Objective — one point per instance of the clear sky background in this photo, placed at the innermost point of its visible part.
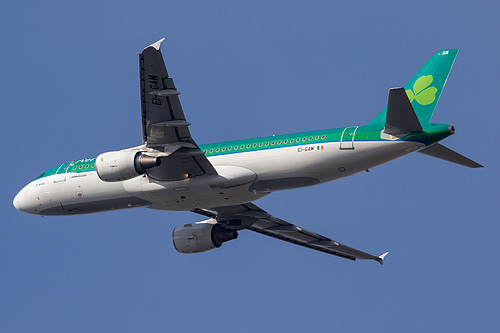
(69, 89)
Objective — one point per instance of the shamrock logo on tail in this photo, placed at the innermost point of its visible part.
(422, 93)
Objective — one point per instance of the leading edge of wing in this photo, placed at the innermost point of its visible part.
(249, 216)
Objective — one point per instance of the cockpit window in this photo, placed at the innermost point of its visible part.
(43, 174)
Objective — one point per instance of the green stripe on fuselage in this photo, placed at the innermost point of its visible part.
(83, 165)
(431, 133)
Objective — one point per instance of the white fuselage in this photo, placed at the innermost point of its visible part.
(242, 177)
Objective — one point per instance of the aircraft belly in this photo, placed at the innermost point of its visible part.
(197, 192)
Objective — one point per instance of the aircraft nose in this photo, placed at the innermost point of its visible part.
(24, 202)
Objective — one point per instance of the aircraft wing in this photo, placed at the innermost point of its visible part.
(249, 216)
(164, 126)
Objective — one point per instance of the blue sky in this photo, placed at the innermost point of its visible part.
(69, 90)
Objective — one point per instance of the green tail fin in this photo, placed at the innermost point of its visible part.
(425, 88)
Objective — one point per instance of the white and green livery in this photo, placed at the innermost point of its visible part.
(170, 171)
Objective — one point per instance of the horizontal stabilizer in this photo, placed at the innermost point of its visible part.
(439, 151)
(400, 118)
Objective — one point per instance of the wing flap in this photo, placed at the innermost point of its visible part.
(164, 125)
(156, 106)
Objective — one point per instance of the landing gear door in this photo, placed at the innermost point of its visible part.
(347, 138)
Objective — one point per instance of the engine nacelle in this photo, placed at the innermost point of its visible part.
(201, 236)
(118, 166)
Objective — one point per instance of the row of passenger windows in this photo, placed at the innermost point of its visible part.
(262, 144)
(86, 166)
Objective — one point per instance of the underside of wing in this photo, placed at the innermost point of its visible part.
(164, 126)
(249, 216)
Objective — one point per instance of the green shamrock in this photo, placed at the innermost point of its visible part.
(422, 93)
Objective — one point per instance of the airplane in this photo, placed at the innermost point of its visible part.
(220, 181)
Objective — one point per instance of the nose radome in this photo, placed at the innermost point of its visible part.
(24, 203)
(17, 201)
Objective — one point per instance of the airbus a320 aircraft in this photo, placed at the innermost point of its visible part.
(169, 171)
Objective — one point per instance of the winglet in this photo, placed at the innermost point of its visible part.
(156, 45)
(381, 257)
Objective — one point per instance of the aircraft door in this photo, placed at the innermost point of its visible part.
(347, 138)
(61, 173)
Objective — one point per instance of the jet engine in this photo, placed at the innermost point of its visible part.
(201, 236)
(117, 166)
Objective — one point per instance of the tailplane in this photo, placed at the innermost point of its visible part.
(439, 151)
(410, 109)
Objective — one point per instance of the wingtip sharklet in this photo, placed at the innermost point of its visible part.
(156, 45)
(381, 257)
